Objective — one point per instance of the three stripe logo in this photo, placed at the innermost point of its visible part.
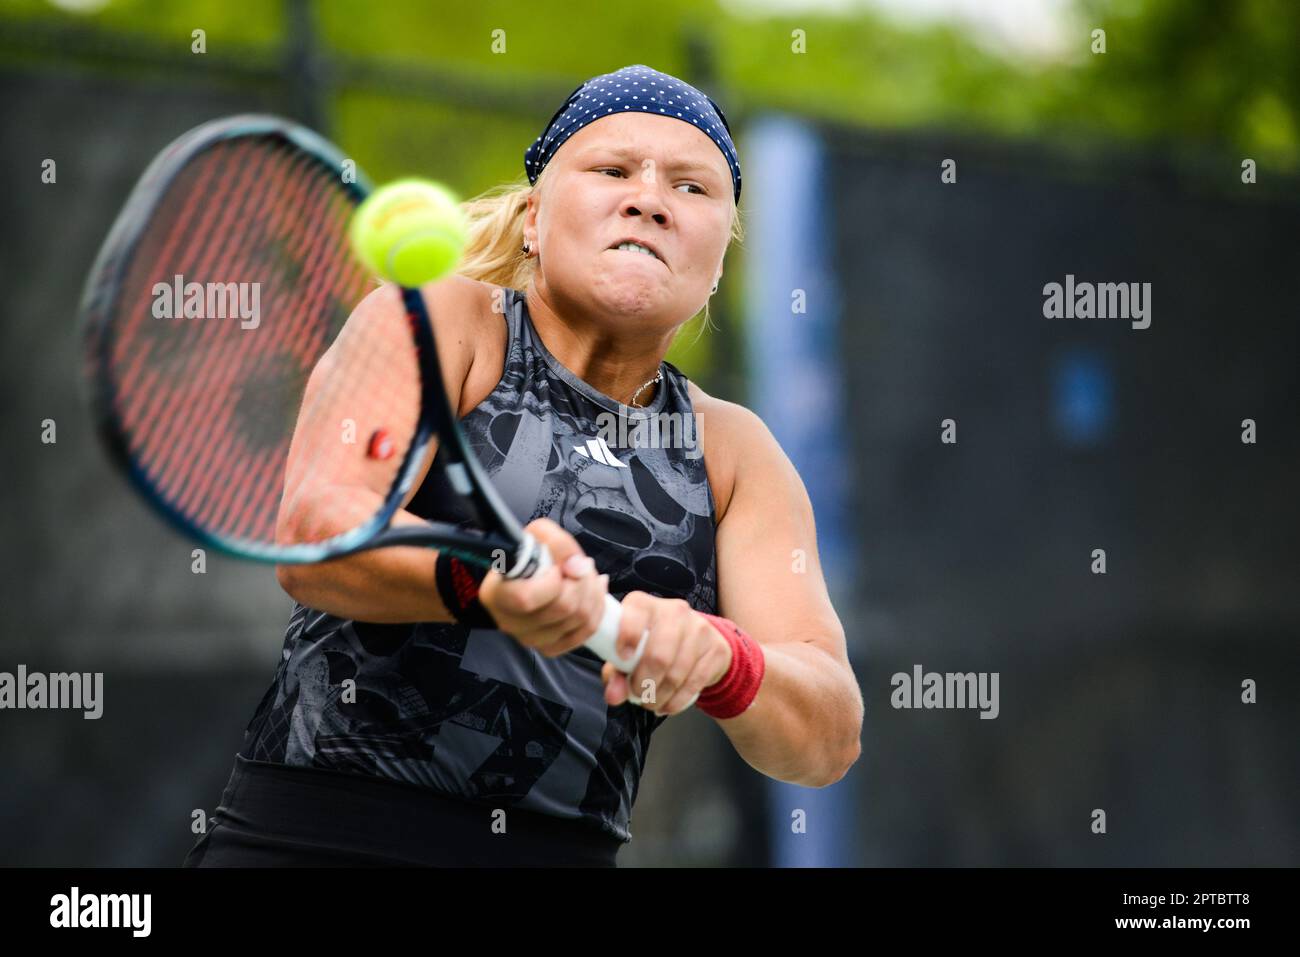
(597, 450)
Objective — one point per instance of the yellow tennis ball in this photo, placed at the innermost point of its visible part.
(411, 231)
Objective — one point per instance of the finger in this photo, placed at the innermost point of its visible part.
(529, 596)
(692, 683)
(570, 606)
(675, 691)
(586, 621)
(616, 691)
(559, 637)
(651, 679)
(579, 566)
(557, 540)
(634, 622)
(519, 598)
(574, 608)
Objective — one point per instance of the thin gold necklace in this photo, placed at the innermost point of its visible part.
(659, 377)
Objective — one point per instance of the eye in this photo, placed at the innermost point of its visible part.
(618, 171)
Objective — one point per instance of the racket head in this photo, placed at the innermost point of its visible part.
(198, 411)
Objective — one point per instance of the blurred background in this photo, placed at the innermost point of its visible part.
(870, 301)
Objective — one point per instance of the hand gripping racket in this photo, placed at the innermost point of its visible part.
(220, 381)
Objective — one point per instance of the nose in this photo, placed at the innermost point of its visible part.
(645, 201)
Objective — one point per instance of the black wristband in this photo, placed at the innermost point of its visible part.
(458, 587)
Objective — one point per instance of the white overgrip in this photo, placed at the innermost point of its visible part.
(604, 642)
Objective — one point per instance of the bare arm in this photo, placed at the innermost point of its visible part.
(805, 723)
(369, 378)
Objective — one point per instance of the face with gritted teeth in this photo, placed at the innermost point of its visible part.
(625, 178)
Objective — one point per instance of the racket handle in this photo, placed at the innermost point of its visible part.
(604, 642)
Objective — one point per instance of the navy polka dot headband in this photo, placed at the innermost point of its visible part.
(633, 89)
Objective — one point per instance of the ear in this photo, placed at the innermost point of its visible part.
(530, 221)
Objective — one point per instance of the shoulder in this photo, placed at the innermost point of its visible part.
(455, 305)
(461, 312)
(474, 317)
(735, 441)
(461, 304)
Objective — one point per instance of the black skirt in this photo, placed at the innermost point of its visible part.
(276, 815)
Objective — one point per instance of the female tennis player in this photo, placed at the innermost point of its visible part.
(424, 713)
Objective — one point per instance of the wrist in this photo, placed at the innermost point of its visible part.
(458, 587)
(735, 691)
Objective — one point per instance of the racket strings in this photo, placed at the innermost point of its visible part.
(204, 433)
(209, 399)
(247, 504)
(188, 420)
(357, 424)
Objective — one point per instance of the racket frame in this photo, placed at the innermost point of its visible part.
(526, 556)
(466, 475)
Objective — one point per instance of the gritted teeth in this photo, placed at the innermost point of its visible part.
(636, 247)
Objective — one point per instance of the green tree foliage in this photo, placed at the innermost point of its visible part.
(1222, 75)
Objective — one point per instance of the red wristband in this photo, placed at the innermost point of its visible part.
(735, 691)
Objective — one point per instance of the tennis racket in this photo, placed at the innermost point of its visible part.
(212, 319)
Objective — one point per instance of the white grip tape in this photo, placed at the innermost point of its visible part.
(604, 643)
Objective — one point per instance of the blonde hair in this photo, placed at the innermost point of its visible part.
(494, 252)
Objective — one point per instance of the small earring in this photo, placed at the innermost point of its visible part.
(714, 289)
(526, 247)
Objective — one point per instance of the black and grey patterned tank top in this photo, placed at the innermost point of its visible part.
(471, 713)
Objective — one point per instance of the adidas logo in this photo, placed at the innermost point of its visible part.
(598, 450)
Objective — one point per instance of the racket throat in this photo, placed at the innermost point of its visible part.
(530, 558)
